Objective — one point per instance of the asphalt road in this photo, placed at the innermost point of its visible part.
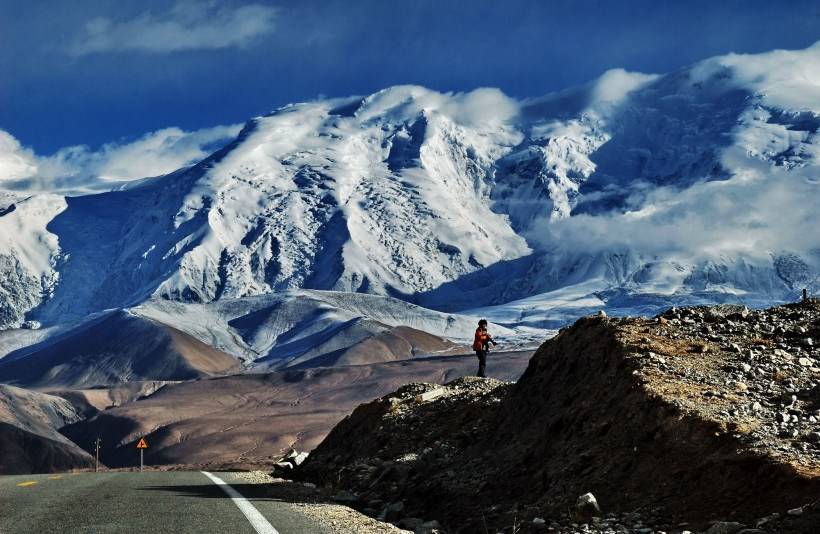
(143, 503)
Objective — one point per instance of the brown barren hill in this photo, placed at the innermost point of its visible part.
(113, 349)
(251, 420)
(29, 441)
(697, 415)
(392, 344)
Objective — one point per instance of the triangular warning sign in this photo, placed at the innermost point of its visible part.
(142, 444)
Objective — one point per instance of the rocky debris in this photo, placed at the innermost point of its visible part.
(708, 413)
(404, 420)
(764, 378)
(289, 461)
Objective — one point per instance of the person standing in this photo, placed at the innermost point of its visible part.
(481, 346)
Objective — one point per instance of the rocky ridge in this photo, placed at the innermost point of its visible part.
(699, 419)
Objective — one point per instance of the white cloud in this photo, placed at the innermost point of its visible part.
(80, 169)
(752, 215)
(788, 78)
(481, 106)
(187, 26)
(15, 161)
(615, 85)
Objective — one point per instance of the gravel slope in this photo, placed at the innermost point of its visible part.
(694, 416)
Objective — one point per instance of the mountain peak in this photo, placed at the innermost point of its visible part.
(461, 200)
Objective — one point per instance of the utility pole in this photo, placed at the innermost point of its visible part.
(96, 453)
(805, 295)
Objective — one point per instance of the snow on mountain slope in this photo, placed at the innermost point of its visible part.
(27, 253)
(700, 184)
(390, 200)
(697, 186)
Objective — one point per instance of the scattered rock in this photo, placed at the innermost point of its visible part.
(586, 507)
(345, 496)
(410, 523)
(393, 511)
(725, 527)
(429, 527)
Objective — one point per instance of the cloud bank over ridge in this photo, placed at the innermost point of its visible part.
(79, 169)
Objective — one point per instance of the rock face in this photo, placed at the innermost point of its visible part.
(704, 413)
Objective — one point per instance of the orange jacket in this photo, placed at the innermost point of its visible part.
(482, 338)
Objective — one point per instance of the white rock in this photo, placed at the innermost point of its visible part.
(430, 395)
(587, 506)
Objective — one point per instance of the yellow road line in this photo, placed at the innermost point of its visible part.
(55, 477)
(29, 483)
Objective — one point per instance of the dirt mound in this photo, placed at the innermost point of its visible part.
(113, 349)
(701, 414)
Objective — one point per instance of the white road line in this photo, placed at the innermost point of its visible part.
(257, 520)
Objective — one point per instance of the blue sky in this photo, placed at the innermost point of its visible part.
(97, 71)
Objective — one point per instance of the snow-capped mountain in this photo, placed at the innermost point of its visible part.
(632, 192)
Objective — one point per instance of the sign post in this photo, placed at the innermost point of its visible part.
(96, 453)
(142, 445)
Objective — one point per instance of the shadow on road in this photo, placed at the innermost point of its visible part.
(276, 491)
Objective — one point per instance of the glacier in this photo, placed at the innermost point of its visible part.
(631, 193)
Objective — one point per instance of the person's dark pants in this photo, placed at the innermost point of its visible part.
(482, 362)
